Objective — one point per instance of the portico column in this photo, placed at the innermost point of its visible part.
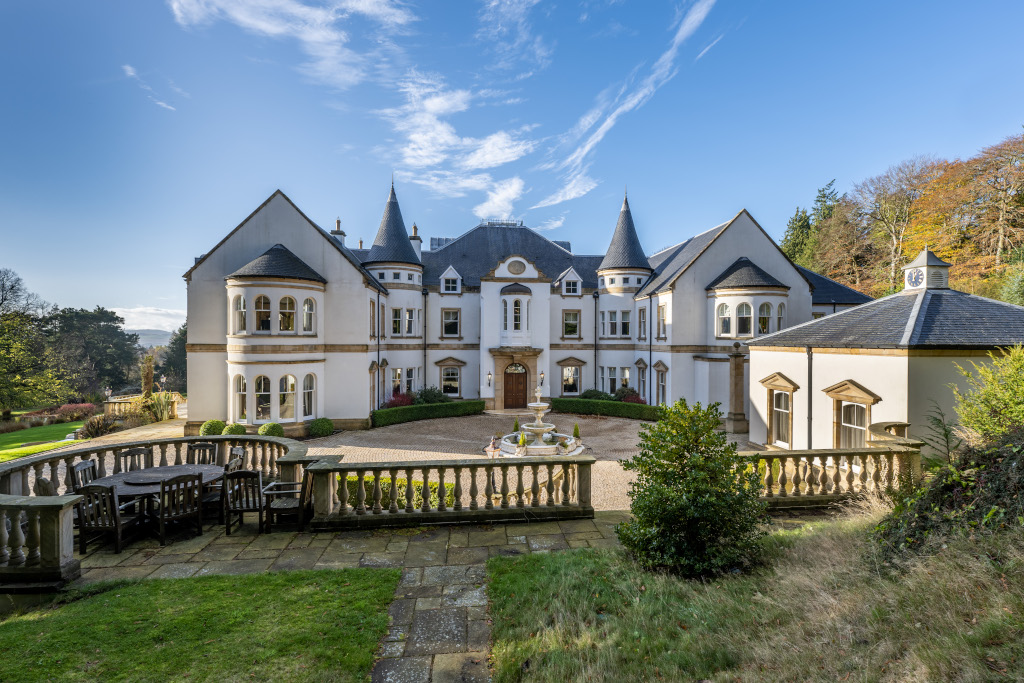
(736, 421)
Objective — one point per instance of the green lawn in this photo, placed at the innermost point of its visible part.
(44, 433)
(823, 611)
(282, 626)
(13, 453)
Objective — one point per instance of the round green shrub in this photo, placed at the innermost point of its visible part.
(695, 505)
(320, 428)
(271, 429)
(234, 429)
(597, 395)
(212, 428)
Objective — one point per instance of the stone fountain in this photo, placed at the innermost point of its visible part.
(540, 436)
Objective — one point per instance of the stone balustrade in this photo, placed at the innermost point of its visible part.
(360, 494)
(805, 478)
(36, 542)
(122, 405)
(36, 536)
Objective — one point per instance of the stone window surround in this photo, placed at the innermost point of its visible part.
(274, 376)
(274, 294)
(458, 335)
(450, 362)
(574, 362)
(778, 382)
(579, 323)
(849, 391)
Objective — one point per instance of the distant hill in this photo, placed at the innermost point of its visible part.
(149, 338)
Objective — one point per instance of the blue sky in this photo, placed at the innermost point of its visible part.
(136, 134)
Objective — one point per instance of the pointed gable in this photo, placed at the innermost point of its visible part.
(392, 243)
(278, 262)
(625, 250)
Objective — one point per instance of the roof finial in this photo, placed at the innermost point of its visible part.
(392, 180)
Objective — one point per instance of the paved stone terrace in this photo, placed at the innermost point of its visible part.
(440, 630)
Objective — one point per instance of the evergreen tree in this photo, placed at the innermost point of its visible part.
(824, 204)
(797, 241)
(174, 364)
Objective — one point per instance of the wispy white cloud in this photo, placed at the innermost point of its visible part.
(705, 50)
(495, 150)
(500, 199)
(131, 73)
(317, 29)
(576, 181)
(506, 29)
(552, 223)
(577, 184)
(151, 318)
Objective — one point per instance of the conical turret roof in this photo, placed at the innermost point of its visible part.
(625, 250)
(392, 243)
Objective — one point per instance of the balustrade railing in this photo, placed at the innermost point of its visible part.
(37, 494)
(354, 494)
(819, 476)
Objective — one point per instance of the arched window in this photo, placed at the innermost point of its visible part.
(309, 315)
(239, 315)
(517, 315)
(240, 412)
(262, 398)
(286, 315)
(782, 317)
(286, 398)
(724, 320)
(262, 313)
(504, 309)
(744, 328)
(764, 318)
(308, 396)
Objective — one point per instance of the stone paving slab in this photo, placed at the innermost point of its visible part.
(440, 628)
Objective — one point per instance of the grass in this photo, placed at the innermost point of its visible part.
(14, 453)
(823, 611)
(45, 433)
(294, 626)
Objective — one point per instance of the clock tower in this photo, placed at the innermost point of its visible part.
(927, 271)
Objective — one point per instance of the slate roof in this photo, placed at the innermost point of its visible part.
(278, 261)
(927, 318)
(668, 263)
(392, 243)
(625, 250)
(828, 291)
(476, 252)
(744, 273)
(926, 258)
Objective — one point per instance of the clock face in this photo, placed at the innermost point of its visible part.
(915, 277)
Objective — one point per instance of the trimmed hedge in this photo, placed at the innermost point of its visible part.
(385, 492)
(320, 428)
(234, 429)
(212, 428)
(270, 429)
(393, 416)
(582, 406)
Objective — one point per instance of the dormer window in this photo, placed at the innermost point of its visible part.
(572, 287)
(451, 285)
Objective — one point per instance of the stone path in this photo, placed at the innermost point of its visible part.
(440, 629)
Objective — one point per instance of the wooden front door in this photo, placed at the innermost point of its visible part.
(515, 386)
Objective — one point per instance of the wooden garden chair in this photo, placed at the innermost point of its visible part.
(203, 453)
(181, 500)
(100, 512)
(243, 492)
(281, 500)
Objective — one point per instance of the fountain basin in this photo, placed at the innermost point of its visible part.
(537, 444)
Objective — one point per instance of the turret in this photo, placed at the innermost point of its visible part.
(625, 252)
(392, 243)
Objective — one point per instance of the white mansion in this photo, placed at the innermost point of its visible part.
(287, 323)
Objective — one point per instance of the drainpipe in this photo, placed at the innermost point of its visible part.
(596, 296)
(650, 348)
(424, 337)
(810, 397)
(377, 333)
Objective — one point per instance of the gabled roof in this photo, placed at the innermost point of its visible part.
(278, 262)
(670, 263)
(347, 253)
(516, 288)
(744, 273)
(625, 250)
(828, 291)
(933, 318)
(392, 244)
(474, 254)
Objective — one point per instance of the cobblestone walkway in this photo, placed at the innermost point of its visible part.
(440, 629)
